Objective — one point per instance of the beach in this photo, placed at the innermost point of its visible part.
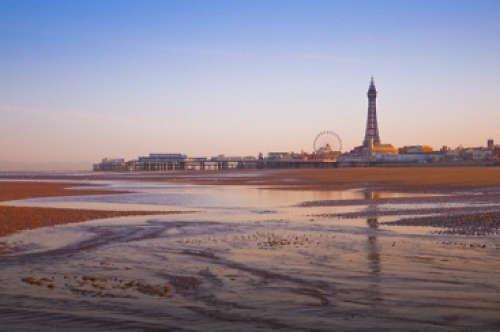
(400, 178)
(294, 250)
(13, 218)
(414, 179)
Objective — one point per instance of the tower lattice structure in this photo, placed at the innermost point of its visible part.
(371, 133)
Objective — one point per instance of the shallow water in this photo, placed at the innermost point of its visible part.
(248, 259)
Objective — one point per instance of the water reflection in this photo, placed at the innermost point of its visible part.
(373, 253)
(150, 196)
(373, 249)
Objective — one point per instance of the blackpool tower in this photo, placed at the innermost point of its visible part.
(371, 133)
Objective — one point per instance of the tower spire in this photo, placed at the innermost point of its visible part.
(371, 133)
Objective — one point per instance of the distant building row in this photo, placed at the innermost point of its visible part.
(161, 162)
(158, 162)
(422, 154)
(376, 155)
(370, 152)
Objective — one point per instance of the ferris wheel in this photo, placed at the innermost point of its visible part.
(327, 140)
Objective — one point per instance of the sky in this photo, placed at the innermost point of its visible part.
(83, 80)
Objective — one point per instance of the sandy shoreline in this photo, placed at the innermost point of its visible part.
(409, 179)
(13, 219)
(397, 178)
(390, 178)
(21, 190)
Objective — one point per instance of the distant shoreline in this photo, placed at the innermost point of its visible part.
(390, 178)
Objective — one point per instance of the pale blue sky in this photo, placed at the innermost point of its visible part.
(81, 80)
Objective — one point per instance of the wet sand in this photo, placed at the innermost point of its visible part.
(479, 223)
(20, 190)
(469, 213)
(388, 178)
(261, 260)
(13, 219)
(376, 178)
(191, 273)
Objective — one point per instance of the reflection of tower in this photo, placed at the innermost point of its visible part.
(371, 133)
(373, 248)
(373, 251)
(260, 162)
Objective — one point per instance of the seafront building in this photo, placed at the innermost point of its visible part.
(407, 155)
(372, 152)
(111, 165)
(162, 162)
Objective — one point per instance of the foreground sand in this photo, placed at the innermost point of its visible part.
(13, 219)
(287, 264)
(290, 261)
